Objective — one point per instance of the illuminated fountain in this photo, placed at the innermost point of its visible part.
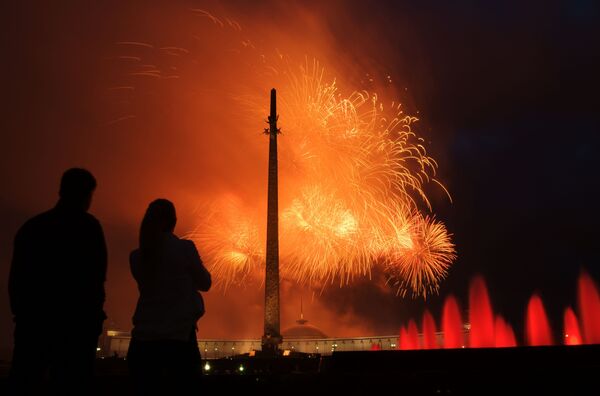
(483, 356)
(487, 330)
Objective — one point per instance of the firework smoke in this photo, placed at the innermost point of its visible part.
(352, 170)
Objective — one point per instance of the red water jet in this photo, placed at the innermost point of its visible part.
(429, 330)
(505, 337)
(403, 339)
(452, 324)
(572, 334)
(589, 309)
(537, 329)
(413, 335)
(481, 316)
(375, 347)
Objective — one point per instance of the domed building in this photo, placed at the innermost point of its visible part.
(302, 331)
(304, 337)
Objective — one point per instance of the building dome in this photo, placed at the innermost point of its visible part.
(303, 331)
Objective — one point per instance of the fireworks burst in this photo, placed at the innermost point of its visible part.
(353, 172)
(419, 260)
(356, 174)
(231, 243)
(320, 239)
(359, 171)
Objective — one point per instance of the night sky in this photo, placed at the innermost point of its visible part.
(506, 93)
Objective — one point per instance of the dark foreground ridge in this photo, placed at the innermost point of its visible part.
(482, 371)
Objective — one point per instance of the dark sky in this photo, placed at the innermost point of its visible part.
(506, 93)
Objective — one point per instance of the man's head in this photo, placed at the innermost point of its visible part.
(76, 188)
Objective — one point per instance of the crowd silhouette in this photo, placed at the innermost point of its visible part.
(57, 275)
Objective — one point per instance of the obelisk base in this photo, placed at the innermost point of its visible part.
(270, 345)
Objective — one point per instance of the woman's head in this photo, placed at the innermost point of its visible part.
(159, 219)
(160, 216)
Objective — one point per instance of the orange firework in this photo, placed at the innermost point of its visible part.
(418, 263)
(353, 140)
(370, 168)
(355, 173)
(352, 178)
(231, 243)
(321, 239)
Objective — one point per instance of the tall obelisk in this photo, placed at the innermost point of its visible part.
(272, 338)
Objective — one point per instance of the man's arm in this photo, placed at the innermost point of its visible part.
(14, 278)
(100, 259)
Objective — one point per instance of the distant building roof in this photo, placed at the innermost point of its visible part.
(303, 331)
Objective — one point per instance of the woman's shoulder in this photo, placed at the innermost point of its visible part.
(188, 247)
(184, 242)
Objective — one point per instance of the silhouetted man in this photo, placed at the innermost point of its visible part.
(56, 290)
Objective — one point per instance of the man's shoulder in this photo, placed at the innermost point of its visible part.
(91, 219)
(51, 219)
(89, 222)
(36, 222)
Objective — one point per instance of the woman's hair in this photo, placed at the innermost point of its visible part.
(160, 218)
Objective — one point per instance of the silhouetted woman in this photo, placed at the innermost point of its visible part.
(163, 354)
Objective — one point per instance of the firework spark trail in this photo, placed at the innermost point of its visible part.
(419, 265)
(372, 154)
(321, 239)
(356, 173)
(369, 168)
(231, 243)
